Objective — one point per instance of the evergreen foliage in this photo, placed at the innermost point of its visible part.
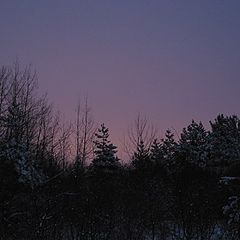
(105, 151)
(225, 141)
(172, 189)
(193, 144)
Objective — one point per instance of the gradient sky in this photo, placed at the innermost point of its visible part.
(171, 60)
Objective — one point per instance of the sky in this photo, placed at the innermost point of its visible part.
(170, 60)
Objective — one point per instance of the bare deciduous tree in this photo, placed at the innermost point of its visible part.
(85, 129)
(141, 131)
(64, 145)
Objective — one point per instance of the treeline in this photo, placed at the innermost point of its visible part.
(51, 189)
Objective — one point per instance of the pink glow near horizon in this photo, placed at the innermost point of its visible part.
(171, 61)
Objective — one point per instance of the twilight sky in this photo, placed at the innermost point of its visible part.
(170, 60)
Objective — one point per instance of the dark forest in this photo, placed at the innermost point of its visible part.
(60, 181)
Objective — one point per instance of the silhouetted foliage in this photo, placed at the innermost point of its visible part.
(172, 189)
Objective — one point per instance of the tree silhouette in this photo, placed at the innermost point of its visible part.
(105, 151)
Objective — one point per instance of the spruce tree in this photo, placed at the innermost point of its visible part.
(141, 158)
(193, 144)
(225, 141)
(156, 153)
(168, 148)
(105, 151)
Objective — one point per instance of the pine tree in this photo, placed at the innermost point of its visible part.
(168, 148)
(156, 153)
(141, 158)
(193, 144)
(105, 151)
(103, 182)
(225, 140)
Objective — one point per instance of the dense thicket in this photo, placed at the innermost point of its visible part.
(172, 189)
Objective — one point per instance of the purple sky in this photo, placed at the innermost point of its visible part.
(168, 59)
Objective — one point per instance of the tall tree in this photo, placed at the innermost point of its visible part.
(141, 157)
(193, 144)
(104, 184)
(85, 130)
(105, 151)
(225, 141)
(168, 149)
(141, 131)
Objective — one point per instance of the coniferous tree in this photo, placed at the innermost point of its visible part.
(104, 185)
(141, 158)
(156, 153)
(193, 144)
(157, 157)
(225, 141)
(168, 149)
(105, 151)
